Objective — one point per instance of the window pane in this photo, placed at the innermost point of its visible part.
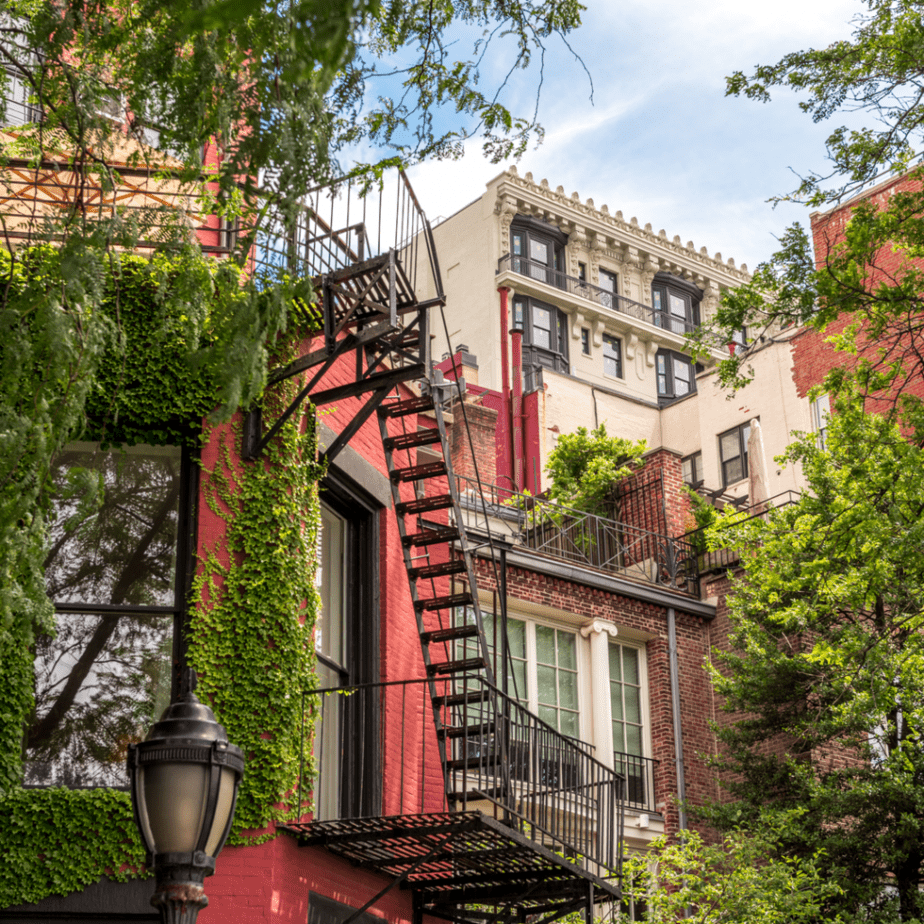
(678, 306)
(608, 281)
(569, 724)
(634, 740)
(630, 665)
(542, 327)
(567, 657)
(729, 446)
(90, 708)
(633, 707)
(615, 663)
(567, 690)
(656, 301)
(545, 645)
(546, 686)
(616, 701)
(328, 632)
(124, 550)
(549, 714)
(516, 634)
(518, 244)
(539, 252)
(734, 471)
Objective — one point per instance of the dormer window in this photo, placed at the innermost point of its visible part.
(675, 303)
(537, 250)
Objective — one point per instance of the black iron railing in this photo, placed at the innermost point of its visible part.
(639, 775)
(583, 538)
(605, 299)
(728, 555)
(491, 755)
(349, 221)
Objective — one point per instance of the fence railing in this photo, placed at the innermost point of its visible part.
(584, 538)
(349, 221)
(377, 752)
(726, 556)
(639, 774)
(605, 299)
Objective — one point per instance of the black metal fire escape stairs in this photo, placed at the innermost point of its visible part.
(464, 866)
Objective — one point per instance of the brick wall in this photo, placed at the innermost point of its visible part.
(650, 620)
(482, 426)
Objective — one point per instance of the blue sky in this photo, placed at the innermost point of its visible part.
(660, 140)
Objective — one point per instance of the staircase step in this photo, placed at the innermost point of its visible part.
(445, 603)
(486, 763)
(475, 795)
(424, 504)
(471, 731)
(455, 667)
(417, 472)
(462, 699)
(456, 566)
(408, 440)
(412, 406)
(431, 537)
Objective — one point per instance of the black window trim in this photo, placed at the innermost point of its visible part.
(742, 452)
(612, 339)
(670, 394)
(691, 293)
(558, 360)
(696, 465)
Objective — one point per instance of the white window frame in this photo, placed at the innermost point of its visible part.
(821, 413)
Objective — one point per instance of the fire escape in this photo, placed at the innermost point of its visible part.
(527, 822)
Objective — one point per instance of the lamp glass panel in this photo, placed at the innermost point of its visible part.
(174, 799)
(223, 806)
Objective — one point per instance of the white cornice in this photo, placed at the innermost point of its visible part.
(606, 230)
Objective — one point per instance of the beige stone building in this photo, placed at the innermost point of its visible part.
(603, 304)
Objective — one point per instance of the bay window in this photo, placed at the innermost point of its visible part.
(545, 333)
(676, 376)
(675, 303)
(537, 250)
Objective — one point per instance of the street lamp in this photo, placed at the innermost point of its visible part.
(184, 778)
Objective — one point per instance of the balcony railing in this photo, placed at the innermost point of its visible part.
(492, 755)
(728, 555)
(583, 538)
(608, 300)
(639, 774)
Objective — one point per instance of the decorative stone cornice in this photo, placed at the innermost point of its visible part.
(530, 197)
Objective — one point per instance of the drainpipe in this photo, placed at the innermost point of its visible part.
(505, 421)
(675, 708)
(519, 475)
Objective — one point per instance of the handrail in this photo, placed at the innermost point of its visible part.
(608, 300)
(497, 757)
(576, 536)
(639, 773)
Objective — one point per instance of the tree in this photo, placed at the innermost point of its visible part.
(585, 468)
(876, 73)
(233, 108)
(823, 679)
(737, 881)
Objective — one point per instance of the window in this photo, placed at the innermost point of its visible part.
(537, 250)
(349, 781)
(116, 571)
(18, 60)
(626, 665)
(609, 295)
(582, 272)
(733, 453)
(821, 411)
(612, 356)
(585, 341)
(545, 333)
(676, 376)
(693, 470)
(675, 303)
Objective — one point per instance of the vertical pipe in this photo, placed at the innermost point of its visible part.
(506, 468)
(675, 708)
(517, 409)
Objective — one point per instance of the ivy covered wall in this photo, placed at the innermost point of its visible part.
(253, 604)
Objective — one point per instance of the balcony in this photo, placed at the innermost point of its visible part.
(639, 774)
(611, 303)
(574, 536)
(497, 808)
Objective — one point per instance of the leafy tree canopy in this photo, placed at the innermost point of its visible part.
(871, 275)
(737, 881)
(823, 680)
(585, 468)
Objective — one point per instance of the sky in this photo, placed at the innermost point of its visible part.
(660, 140)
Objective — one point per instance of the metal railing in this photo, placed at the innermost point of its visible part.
(582, 538)
(348, 221)
(639, 775)
(491, 755)
(608, 300)
(726, 556)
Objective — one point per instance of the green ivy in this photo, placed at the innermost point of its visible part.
(147, 376)
(251, 631)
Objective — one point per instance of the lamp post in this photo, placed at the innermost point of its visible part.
(184, 778)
